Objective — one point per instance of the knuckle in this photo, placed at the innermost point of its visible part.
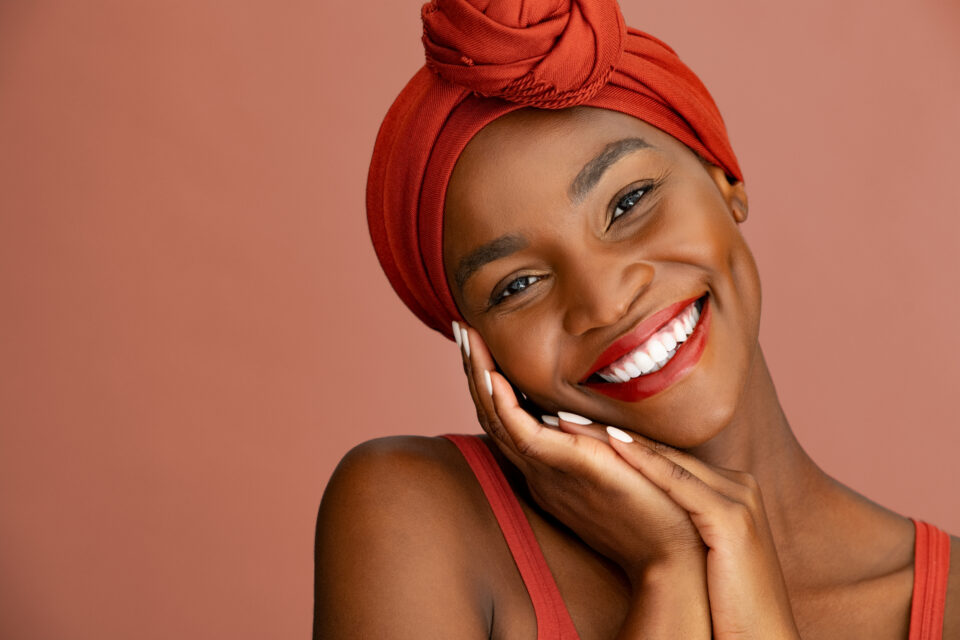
(661, 448)
(738, 516)
(748, 481)
(750, 493)
(526, 447)
(678, 472)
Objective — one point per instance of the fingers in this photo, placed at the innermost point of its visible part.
(722, 510)
(476, 360)
(591, 430)
(520, 435)
(724, 481)
(529, 437)
(677, 481)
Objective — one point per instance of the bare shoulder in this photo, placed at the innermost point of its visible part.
(395, 458)
(387, 485)
(394, 554)
(951, 618)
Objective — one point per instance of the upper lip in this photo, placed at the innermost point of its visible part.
(636, 336)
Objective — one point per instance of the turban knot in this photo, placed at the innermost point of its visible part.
(541, 54)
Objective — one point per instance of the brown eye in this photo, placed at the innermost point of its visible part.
(514, 287)
(627, 202)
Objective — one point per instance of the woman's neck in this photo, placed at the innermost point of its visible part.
(759, 440)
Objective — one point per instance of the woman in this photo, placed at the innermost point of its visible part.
(557, 193)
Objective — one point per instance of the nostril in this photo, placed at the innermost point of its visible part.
(602, 299)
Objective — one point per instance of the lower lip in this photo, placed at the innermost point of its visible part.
(686, 358)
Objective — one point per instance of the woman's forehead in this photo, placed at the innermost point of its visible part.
(535, 150)
(554, 139)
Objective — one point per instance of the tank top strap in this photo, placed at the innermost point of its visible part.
(553, 618)
(931, 569)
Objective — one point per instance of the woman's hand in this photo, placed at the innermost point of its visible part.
(748, 596)
(582, 480)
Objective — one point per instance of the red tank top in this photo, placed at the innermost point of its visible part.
(931, 556)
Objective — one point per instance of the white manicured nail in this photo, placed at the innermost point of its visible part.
(572, 417)
(553, 421)
(617, 434)
(487, 381)
(466, 341)
(456, 332)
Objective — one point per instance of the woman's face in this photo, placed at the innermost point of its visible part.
(573, 237)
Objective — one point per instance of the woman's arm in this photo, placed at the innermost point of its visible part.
(669, 602)
(389, 560)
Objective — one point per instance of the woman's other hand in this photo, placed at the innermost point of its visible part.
(748, 596)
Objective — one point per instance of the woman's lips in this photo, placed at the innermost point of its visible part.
(638, 335)
(686, 357)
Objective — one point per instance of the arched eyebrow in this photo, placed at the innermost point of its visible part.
(493, 250)
(593, 170)
(586, 179)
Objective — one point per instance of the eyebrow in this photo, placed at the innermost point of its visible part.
(493, 250)
(593, 170)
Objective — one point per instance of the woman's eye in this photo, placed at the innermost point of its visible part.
(515, 286)
(627, 202)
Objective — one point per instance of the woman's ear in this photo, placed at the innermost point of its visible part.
(734, 193)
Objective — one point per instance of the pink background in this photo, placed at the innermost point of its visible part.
(194, 329)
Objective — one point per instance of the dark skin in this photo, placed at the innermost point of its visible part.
(713, 521)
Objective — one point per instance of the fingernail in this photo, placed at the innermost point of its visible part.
(487, 381)
(617, 434)
(553, 421)
(456, 332)
(574, 418)
(466, 341)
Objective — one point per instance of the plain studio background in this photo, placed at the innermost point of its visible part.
(194, 328)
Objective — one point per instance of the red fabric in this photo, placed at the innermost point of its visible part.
(485, 58)
(931, 568)
(553, 619)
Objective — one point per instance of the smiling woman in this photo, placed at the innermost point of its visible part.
(556, 192)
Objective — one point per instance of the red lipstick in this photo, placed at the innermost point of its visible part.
(686, 357)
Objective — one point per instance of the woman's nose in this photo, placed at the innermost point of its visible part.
(601, 292)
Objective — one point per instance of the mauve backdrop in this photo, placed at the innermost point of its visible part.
(194, 328)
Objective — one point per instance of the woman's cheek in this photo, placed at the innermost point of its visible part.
(527, 360)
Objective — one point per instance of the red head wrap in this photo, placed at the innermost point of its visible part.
(486, 58)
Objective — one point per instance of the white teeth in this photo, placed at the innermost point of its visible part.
(644, 361)
(657, 351)
(679, 333)
(666, 337)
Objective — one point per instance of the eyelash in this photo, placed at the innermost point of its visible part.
(636, 194)
(622, 205)
(503, 295)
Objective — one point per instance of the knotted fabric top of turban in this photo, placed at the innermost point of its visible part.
(484, 59)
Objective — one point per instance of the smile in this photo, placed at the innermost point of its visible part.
(655, 354)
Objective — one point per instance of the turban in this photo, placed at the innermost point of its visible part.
(484, 59)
